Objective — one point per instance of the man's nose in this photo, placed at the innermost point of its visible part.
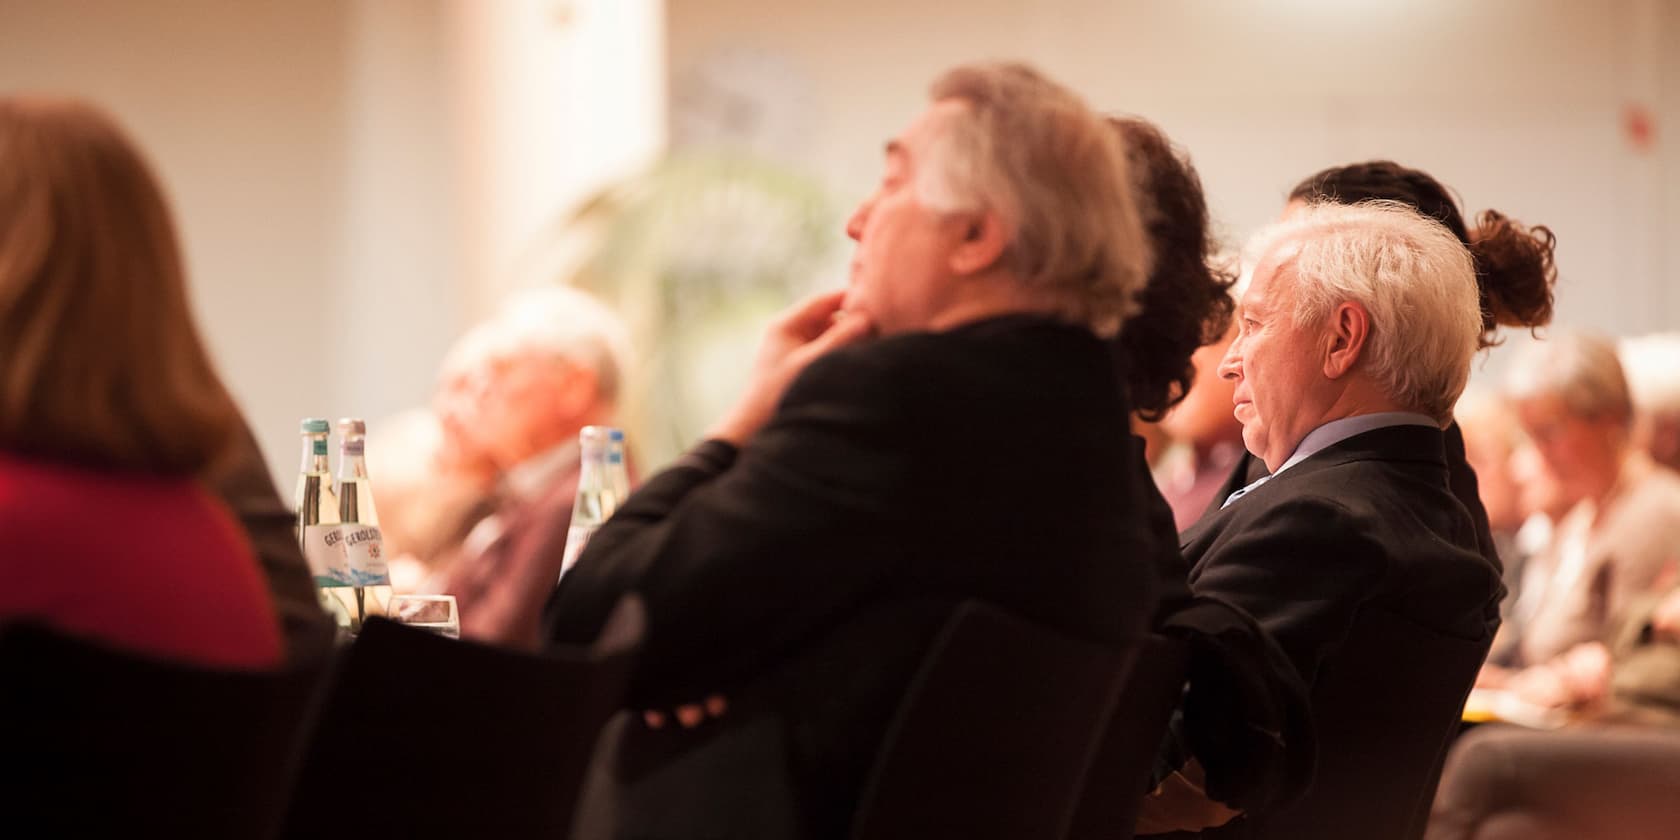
(854, 225)
(1230, 367)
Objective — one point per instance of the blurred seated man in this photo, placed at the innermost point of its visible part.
(429, 498)
(1492, 440)
(1613, 773)
(1617, 542)
(957, 433)
(517, 392)
(1355, 338)
(1652, 364)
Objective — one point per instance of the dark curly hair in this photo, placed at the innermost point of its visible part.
(1186, 302)
(1514, 269)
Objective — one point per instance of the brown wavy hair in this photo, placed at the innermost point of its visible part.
(100, 362)
(1515, 273)
(1186, 302)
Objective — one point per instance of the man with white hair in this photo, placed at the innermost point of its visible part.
(515, 392)
(1355, 339)
(1652, 363)
(949, 427)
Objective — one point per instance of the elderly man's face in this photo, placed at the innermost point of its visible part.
(1277, 367)
(1582, 452)
(901, 275)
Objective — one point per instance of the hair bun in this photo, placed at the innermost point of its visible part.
(1515, 271)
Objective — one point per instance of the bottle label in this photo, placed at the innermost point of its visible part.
(364, 547)
(328, 564)
(577, 537)
(346, 555)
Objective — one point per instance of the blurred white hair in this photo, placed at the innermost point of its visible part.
(1580, 369)
(557, 322)
(1652, 366)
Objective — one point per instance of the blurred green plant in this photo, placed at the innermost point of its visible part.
(697, 253)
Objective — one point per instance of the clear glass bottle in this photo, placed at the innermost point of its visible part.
(597, 494)
(316, 506)
(362, 543)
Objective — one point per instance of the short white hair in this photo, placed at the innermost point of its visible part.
(1651, 364)
(552, 322)
(1414, 278)
(1031, 151)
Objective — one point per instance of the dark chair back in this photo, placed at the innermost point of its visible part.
(422, 736)
(1119, 776)
(1385, 712)
(96, 742)
(994, 735)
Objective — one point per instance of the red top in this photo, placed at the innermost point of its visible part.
(151, 564)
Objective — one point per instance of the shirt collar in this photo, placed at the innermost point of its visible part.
(1336, 431)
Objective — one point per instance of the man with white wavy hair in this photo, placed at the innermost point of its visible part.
(1354, 340)
(880, 467)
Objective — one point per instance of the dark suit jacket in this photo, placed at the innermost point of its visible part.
(1369, 522)
(1461, 477)
(804, 575)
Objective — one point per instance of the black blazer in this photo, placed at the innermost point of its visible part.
(990, 461)
(1370, 521)
(1460, 476)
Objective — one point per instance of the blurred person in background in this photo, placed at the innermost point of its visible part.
(1492, 440)
(1652, 364)
(1207, 436)
(1612, 771)
(1615, 545)
(428, 501)
(516, 391)
(1515, 275)
(112, 417)
(882, 466)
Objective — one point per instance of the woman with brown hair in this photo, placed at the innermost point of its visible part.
(111, 413)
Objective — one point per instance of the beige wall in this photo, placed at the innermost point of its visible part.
(241, 109)
(355, 180)
(1515, 103)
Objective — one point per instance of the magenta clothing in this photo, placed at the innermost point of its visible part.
(146, 563)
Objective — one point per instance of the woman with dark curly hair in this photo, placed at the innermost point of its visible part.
(1514, 275)
(1185, 304)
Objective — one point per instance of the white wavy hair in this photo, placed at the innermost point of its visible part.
(552, 322)
(1031, 151)
(1414, 278)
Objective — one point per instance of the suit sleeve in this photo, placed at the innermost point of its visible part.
(738, 556)
(1303, 569)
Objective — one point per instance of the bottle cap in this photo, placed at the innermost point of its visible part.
(352, 426)
(316, 426)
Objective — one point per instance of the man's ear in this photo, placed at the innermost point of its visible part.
(981, 241)
(1345, 335)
